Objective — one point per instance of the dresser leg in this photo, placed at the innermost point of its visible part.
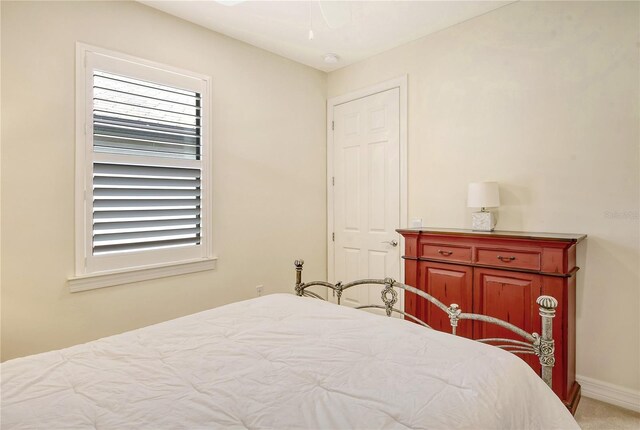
(574, 398)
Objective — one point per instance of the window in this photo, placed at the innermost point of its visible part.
(143, 168)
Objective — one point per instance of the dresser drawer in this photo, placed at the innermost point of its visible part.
(529, 260)
(447, 252)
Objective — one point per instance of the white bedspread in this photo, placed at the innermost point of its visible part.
(278, 362)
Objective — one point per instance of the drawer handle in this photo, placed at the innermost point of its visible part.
(506, 259)
(445, 253)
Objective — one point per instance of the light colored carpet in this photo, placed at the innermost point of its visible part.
(596, 415)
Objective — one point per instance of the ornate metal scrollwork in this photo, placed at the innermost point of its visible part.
(454, 312)
(389, 295)
(547, 349)
(338, 291)
(536, 343)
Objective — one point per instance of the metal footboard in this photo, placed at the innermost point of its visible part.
(532, 343)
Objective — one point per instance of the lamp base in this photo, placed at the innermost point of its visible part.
(482, 221)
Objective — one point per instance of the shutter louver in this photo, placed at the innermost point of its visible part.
(139, 206)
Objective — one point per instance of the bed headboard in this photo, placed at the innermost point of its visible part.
(541, 345)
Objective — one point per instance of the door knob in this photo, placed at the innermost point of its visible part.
(393, 243)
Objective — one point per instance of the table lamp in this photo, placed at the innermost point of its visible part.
(483, 195)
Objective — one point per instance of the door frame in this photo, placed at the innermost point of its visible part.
(400, 83)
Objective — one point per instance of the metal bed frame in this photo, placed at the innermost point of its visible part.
(540, 345)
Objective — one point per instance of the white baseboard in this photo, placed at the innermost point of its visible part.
(610, 393)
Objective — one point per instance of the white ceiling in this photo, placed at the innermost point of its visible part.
(354, 30)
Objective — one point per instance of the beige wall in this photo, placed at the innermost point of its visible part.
(542, 97)
(269, 171)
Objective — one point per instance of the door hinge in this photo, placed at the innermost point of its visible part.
(333, 180)
(333, 237)
(333, 125)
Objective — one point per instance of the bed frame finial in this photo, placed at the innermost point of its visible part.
(299, 263)
(545, 347)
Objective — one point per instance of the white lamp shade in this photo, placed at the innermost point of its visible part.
(483, 195)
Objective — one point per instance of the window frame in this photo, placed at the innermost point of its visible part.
(95, 271)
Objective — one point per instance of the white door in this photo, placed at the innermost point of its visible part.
(366, 193)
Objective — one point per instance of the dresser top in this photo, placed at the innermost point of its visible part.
(563, 237)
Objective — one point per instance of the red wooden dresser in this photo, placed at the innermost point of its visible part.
(499, 273)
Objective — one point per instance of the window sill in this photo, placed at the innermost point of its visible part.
(101, 280)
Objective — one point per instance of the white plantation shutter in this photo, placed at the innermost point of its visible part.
(133, 117)
(143, 207)
(140, 118)
(145, 148)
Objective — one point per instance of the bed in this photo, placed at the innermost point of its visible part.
(280, 361)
